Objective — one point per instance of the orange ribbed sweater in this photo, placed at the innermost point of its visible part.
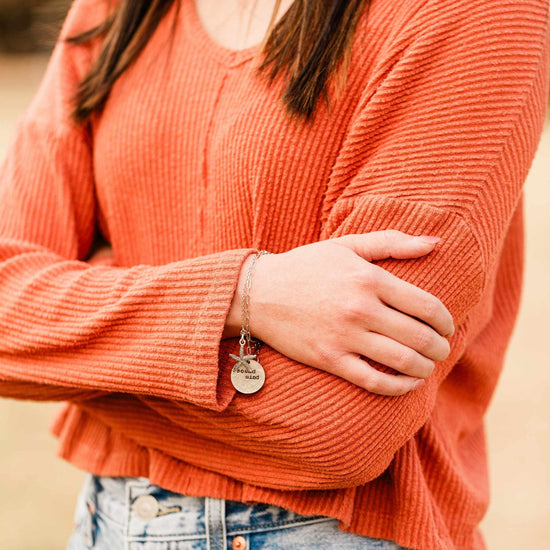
(192, 166)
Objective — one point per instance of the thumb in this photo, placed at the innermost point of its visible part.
(390, 243)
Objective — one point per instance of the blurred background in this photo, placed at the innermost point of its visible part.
(38, 490)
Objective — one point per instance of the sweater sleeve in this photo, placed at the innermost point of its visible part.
(70, 328)
(441, 143)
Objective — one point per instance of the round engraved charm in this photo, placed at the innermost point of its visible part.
(248, 377)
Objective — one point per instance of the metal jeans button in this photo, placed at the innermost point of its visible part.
(238, 543)
(146, 507)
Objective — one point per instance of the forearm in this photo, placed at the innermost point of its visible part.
(151, 330)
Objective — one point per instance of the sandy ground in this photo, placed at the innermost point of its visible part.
(38, 490)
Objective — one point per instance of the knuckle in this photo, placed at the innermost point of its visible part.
(387, 239)
(360, 277)
(405, 360)
(432, 308)
(382, 384)
(368, 278)
(354, 310)
(371, 381)
(326, 355)
(402, 389)
(409, 362)
(423, 340)
(392, 234)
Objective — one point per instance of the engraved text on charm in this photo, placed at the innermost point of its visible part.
(247, 376)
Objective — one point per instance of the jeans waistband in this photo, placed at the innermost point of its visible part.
(143, 509)
(142, 515)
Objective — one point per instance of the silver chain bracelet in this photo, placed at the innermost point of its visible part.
(248, 376)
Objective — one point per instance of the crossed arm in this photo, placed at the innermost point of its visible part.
(480, 108)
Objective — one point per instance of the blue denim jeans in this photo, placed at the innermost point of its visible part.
(124, 513)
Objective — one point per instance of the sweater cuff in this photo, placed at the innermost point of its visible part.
(208, 353)
(145, 330)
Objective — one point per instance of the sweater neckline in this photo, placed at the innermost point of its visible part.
(207, 45)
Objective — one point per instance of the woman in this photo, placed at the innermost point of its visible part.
(378, 153)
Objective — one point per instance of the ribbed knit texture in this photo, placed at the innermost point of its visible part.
(193, 165)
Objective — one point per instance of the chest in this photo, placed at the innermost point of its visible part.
(194, 153)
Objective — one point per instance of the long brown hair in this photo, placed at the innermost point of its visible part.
(310, 42)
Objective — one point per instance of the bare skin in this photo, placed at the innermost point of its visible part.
(238, 24)
(325, 304)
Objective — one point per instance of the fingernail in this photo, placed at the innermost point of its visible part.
(418, 384)
(428, 239)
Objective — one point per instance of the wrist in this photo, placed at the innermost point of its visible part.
(233, 321)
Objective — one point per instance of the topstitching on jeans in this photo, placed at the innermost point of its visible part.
(274, 526)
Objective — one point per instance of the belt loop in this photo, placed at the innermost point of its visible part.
(216, 536)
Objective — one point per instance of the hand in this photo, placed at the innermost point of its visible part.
(326, 305)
